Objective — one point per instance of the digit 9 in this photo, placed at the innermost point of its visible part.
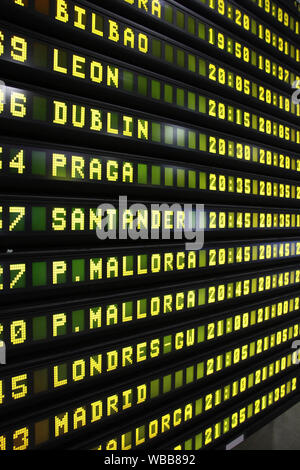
(19, 49)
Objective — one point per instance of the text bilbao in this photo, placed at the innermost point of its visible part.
(33, 382)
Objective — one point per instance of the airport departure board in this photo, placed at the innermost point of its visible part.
(149, 222)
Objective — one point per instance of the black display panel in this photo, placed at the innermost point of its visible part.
(125, 129)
